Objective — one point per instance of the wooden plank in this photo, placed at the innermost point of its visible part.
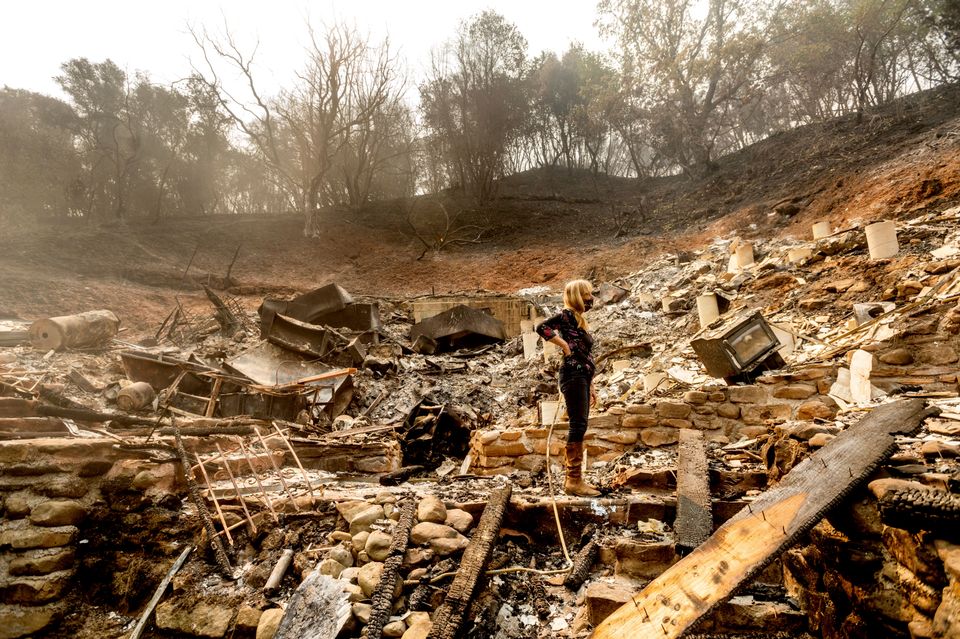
(744, 545)
(449, 616)
(158, 593)
(694, 522)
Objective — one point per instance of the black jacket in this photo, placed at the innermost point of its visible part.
(580, 361)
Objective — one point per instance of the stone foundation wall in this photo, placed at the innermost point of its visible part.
(64, 506)
(47, 488)
(724, 413)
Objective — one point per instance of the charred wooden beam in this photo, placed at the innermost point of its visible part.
(921, 509)
(745, 544)
(694, 522)
(383, 594)
(218, 550)
(449, 616)
(582, 563)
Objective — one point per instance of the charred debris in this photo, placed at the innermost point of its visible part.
(777, 433)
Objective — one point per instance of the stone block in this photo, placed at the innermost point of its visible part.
(269, 622)
(34, 590)
(805, 432)
(506, 449)
(27, 621)
(494, 462)
(820, 440)
(623, 438)
(659, 436)
(643, 560)
(540, 447)
(705, 410)
(375, 464)
(459, 520)
(640, 409)
(424, 532)
(511, 435)
(247, 619)
(603, 599)
(41, 562)
(728, 410)
(696, 397)
(717, 396)
(488, 437)
(673, 410)
(94, 468)
(815, 409)
(716, 435)
(21, 536)
(68, 486)
(897, 357)
(639, 421)
(917, 553)
(752, 432)
(57, 513)
(746, 394)
(604, 420)
(811, 373)
(593, 451)
(704, 422)
(369, 577)
(498, 470)
(17, 505)
(755, 414)
(946, 621)
(937, 355)
(431, 509)
(949, 554)
(676, 423)
(795, 391)
(444, 546)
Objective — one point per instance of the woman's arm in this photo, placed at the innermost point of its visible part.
(562, 343)
(548, 329)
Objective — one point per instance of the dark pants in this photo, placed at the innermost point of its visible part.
(576, 393)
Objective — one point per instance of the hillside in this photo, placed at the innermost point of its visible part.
(548, 226)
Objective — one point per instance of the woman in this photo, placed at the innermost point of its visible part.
(569, 331)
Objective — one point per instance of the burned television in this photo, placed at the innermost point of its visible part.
(740, 348)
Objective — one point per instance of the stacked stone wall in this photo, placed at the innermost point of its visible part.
(723, 413)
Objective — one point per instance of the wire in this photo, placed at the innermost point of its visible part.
(556, 516)
(553, 500)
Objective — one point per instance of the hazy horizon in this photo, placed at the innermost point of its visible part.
(155, 39)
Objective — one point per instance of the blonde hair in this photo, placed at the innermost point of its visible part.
(573, 294)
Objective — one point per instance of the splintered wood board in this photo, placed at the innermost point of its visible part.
(694, 521)
(743, 546)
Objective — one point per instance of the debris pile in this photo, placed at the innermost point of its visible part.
(382, 467)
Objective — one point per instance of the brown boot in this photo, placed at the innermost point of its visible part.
(574, 484)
